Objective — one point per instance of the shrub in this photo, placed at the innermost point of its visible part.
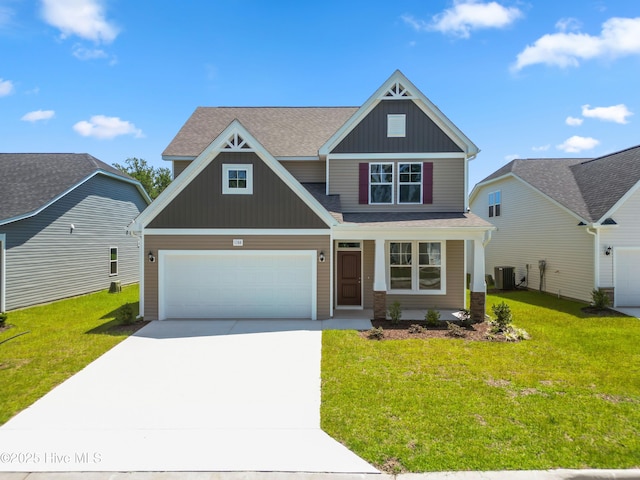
(503, 315)
(415, 328)
(600, 299)
(432, 318)
(3, 318)
(126, 315)
(376, 333)
(515, 334)
(395, 312)
(455, 330)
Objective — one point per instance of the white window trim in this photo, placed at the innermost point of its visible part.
(393, 183)
(415, 268)
(410, 183)
(226, 190)
(396, 125)
(116, 261)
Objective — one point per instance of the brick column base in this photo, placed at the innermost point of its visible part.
(379, 305)
(478, 306)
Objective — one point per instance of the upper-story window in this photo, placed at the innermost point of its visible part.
(495, 202)
(113, 260)
(237, 179)
(381, 182)
(396, 125)
(410, 183)
(402, 183)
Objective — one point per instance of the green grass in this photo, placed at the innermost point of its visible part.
(567, 398)
(64, 337)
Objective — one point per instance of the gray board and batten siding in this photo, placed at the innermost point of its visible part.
(202, 205)
(422, 134)
(46, 260)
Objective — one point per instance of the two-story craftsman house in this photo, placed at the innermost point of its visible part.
(299, 212)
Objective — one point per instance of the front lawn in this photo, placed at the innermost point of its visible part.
(567, 398)
(63, 338)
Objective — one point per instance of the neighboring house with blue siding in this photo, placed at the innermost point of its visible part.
(62, 227)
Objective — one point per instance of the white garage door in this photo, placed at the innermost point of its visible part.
(627, 291)
(237, 284)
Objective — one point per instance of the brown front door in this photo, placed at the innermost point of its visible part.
(349, 278)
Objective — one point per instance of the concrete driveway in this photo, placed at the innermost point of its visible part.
(187, 395)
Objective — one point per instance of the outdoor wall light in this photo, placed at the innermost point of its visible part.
(321, 257)
(151, 257)
(72, 227)
(608, 251)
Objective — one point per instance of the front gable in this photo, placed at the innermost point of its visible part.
(203, 203)
(200, 198)
(421, 135)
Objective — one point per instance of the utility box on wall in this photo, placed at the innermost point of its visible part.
(505, 278)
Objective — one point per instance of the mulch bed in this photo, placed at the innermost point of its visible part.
(128, 328)
(400, 331)
(601, 312)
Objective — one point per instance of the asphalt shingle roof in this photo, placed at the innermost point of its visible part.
(31, 180)
(588, 187)
(283, 131)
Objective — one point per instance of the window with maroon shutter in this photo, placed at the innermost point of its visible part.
(427, 183)
(363, 180)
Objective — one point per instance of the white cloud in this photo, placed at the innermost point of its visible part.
(6, 15)
(82, 53)
(100, 126)
(83, 18)
(619, 37)
(6, 87)
(38, 115)
(577, 144)
(615, 113)
(541, 148)
(568, 24)
(465, 16)
(513, 156)
(574, 122)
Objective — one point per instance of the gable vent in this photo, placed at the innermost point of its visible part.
(397, 90)
(236, 142)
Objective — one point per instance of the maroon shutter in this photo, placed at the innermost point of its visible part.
(363, 180)
(427, 182)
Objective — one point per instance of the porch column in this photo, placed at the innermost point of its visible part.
(478, 285)
(379, 283)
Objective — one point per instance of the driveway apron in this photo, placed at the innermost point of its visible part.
(187, 395)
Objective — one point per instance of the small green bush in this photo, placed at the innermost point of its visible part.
(3, 318)
(455, 331)
(515, 334)
(600, 299)
(503, 315)
(395, 312)
(416, 328)
(432, 318)
(126, 314)
(376, 333)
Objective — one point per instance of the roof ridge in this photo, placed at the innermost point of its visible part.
(610, 154)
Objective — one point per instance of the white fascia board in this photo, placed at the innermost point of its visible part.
(137, 184)
(428, 107)
(236, 231)
(618, 204)
(478, 186)
(349, 232)
(394, 156)
(3, 269)
(208, 155)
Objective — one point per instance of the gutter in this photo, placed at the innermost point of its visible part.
(592, 229)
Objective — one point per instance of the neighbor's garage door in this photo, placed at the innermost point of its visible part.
(627, 291)
(236, 284)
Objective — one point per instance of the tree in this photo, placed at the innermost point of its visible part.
(154, 180)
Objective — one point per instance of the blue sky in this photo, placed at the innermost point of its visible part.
(118, 78)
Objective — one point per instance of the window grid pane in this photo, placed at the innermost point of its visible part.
(409, 182)
(381, 181)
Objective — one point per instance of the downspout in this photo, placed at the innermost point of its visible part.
(596, 257)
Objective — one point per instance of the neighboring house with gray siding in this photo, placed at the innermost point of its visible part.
(63, 220)
(298, 212)
(577, 216)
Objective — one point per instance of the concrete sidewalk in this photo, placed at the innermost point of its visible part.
(504, 475)
(187, 395)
